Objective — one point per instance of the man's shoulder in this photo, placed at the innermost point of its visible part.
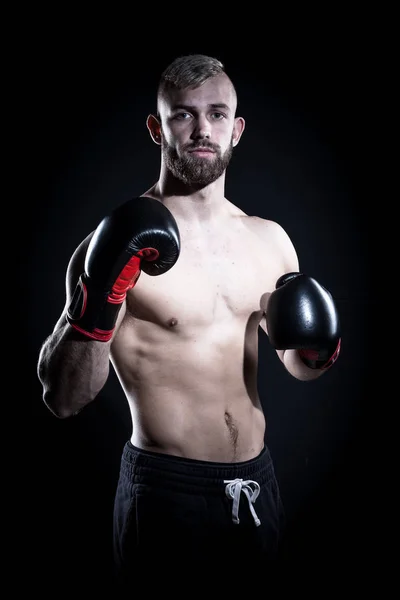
(273, 233)
(263, 226)
(254, 221)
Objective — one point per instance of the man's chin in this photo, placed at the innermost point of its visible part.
(199, 161)
(196, 182)
(196, 171)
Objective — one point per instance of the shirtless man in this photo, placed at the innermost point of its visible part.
(171, 289)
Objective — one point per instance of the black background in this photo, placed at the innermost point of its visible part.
(300, 162)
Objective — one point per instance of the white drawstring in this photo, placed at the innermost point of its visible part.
(233, 489)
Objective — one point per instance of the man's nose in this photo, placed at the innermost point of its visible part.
(202, 130)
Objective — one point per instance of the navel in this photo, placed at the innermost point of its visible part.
(233, 430)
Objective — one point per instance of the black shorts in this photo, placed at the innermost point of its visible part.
(177, 513)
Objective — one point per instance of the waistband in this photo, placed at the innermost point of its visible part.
(152, 468)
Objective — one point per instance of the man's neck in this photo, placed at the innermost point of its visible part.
(202, 205)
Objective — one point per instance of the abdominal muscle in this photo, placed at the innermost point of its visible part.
(191, 393)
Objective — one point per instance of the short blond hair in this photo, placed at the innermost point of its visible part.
(189, 71)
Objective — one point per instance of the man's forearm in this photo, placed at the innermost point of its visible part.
(72, 370)
(296, 367)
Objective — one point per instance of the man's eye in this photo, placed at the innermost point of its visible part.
(182, 116)
(217, 116)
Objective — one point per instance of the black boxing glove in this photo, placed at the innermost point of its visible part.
(140, 235)
(302, 315)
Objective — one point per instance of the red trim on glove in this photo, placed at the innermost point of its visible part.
(129, 275)
(96, 334)
(334, 356)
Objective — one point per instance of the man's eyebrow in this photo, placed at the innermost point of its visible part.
(189, 107)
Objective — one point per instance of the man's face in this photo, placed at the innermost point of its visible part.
(198, 128)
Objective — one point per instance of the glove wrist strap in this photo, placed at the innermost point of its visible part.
(93, 312)
(320, 359)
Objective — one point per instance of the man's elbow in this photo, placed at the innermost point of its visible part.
(59, 409)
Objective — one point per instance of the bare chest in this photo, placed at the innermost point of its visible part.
(222, 278)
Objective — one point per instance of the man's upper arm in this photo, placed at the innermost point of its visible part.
(286, 249)
(286, 256)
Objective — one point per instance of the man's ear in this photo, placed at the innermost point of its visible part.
(238, 129)
(154, 127)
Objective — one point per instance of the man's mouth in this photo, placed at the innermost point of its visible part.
(202, 150)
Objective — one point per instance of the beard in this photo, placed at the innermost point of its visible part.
(193, 170)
